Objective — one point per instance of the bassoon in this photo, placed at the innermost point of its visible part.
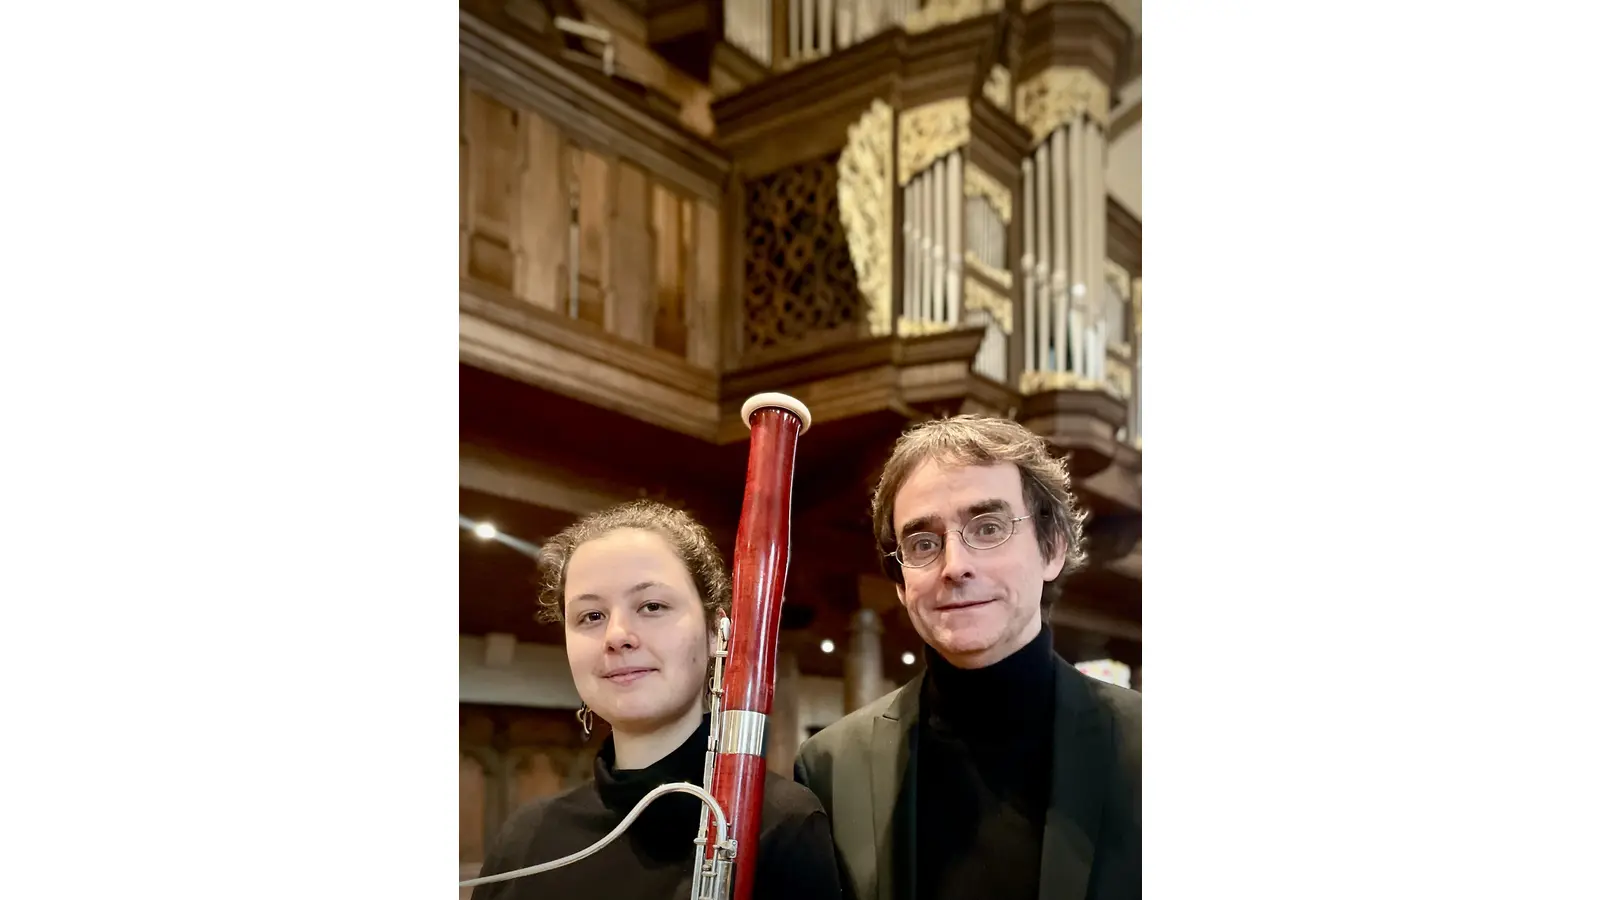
(743, 671)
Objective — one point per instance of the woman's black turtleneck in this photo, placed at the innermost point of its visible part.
(983, 775)
(652, 860)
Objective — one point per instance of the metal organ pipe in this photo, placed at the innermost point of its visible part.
(1097, 243)
(794, 28)
(1029, 359)
(953, 242)
(940, 263)
(925, 205)
(1048, 287)
(1066, 232)
(913, 249)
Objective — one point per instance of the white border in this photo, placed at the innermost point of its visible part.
(1369, 481)
(228, 359)
(228, 367)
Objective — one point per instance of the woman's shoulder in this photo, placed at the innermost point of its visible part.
(796, 859)
(530, 817)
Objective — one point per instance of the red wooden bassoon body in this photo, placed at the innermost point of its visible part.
(760, 570)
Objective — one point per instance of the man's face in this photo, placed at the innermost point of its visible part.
(975, 607)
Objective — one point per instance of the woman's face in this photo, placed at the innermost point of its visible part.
(637, 640)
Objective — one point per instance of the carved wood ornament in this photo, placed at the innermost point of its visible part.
(929, 132)
(998, 87)
(866, 206)
(1059, 95)
(799, 278)
(979, 296)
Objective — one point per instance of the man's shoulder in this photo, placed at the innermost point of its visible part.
(850, 731)
(1120, 701)
(1121, 708)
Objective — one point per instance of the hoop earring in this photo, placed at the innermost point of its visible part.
(586, 720)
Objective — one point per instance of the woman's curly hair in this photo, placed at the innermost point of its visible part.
(688, 538)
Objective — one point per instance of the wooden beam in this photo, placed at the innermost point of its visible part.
(1130, 566)
(1085, 620)
(525, 481)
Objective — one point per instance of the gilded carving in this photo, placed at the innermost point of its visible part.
(979, 296)
(928, 133)
(1002, 276)
(978, 183)
(946, 12)
(917, 328)
(1035, 381)
(866, 204)
(1060, 94)
(998, 87)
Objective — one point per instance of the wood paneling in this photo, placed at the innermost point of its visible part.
(594, 174)
(491, 137)
(649, 255)
(588, 107)
(672, 221)
(703, 288)
(542, 248)
(511, 756)
(1083, 33)
(629, 313)
(1124, 238)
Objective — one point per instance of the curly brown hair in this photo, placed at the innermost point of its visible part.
(687, 537)
(985, 440)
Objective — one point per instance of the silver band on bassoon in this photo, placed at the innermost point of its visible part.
(744, 731)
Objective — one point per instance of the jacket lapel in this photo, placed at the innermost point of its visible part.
(893, 775)
(1082, 765)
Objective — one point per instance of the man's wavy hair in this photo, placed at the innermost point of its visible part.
(983, 441)
(688, 538)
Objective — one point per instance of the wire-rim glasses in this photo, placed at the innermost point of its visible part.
(984, 532)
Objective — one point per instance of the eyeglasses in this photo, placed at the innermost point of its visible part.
(984, 532)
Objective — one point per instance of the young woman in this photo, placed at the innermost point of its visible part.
(637, 588)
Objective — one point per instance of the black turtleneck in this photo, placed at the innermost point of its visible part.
(983, 775)
(653, 859)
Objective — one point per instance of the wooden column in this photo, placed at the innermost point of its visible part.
(783, 723)
(863, 663)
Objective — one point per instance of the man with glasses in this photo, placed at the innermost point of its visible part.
(1000, 771)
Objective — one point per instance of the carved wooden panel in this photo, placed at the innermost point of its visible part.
(704, 286)
(673, 225)
(511, 756)
(474, 821)
(535, 205)
(539, 772)
(490, 131)
(466, 183)
(799, 279)
(629, 313)
(593, 173)
(541, 244)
